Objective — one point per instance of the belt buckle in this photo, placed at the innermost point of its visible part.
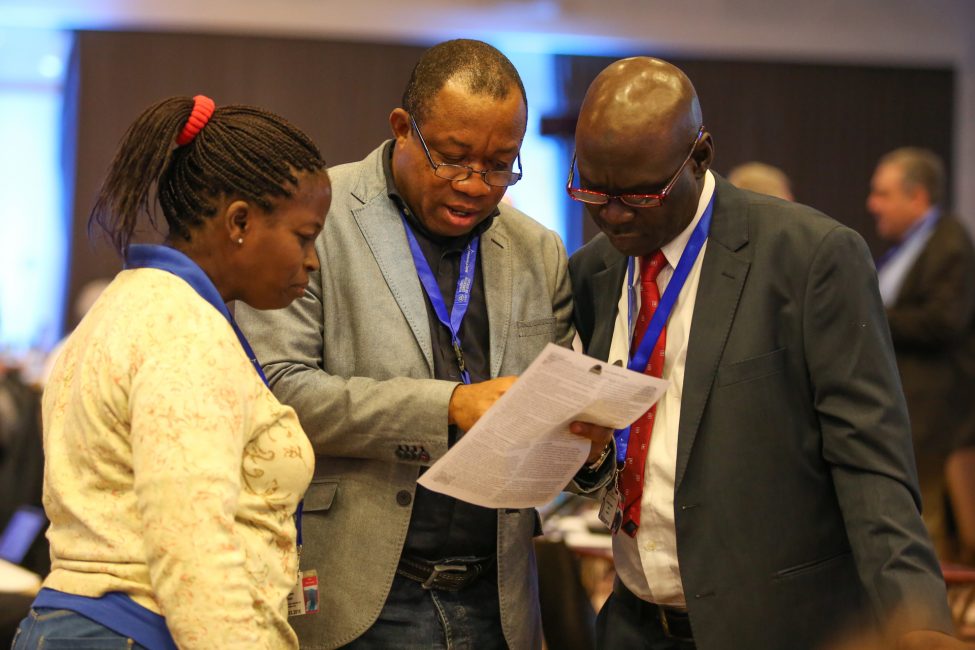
(439, 569)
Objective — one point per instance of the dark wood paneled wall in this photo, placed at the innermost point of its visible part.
(824, 125)
(341, 94)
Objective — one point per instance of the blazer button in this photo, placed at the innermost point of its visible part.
(404, 498)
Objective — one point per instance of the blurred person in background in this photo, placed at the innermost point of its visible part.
(927, 282)
(762, 178)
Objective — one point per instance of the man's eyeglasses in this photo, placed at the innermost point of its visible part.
(451, 172)
(592, 197)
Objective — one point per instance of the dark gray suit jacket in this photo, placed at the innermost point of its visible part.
(354, 358)
(796, 504)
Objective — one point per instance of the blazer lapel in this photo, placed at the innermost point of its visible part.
(382, 228)
(723, 274)
(606, 287)
(915, 283)
(496, 265)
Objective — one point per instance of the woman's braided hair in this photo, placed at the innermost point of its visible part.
(242, 152)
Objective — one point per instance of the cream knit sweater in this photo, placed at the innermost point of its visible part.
(172, 472)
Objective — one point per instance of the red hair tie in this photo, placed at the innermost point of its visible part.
(202, 110)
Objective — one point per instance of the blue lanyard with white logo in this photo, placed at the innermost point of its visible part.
(169, 259)
(462, 296)
(640, 358)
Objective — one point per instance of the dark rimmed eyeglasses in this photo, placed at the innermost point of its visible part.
(592, 197)
(452, 172)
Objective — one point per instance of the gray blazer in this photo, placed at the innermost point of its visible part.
(354, 358)
(796, 503)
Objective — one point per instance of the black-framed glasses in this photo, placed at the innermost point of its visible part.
(592, 197)
(452, 172)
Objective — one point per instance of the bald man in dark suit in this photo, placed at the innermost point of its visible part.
(770, 501)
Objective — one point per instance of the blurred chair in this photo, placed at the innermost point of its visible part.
(960, 581)
(960, 578)
(21, 480)
(568, 617)
(960, 479)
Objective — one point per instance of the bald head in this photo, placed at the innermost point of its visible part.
(640, 134)
(639, 98)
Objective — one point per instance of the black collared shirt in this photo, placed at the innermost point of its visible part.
(441, 526)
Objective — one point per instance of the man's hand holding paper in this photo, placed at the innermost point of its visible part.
(522, 453)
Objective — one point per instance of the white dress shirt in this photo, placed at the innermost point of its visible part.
(647, 564)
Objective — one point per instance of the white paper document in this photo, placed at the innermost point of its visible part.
(520, 454)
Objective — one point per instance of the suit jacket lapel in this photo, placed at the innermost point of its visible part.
(606, 287)
(915, 283)
(496, 265)
(723, 274)
(381, 227)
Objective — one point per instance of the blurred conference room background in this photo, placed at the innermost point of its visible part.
(819, 89)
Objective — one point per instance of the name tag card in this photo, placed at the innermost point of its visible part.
(303, 598)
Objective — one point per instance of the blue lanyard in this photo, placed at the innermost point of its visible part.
(640, 358)
(462, 297)
(169, 259)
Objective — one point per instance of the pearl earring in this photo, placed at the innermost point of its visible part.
(240, 241)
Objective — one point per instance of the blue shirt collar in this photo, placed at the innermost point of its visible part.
(179, 264)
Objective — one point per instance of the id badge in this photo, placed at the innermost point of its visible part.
(610, 512)
(303, 598)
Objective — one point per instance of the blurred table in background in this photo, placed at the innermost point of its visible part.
(18, 586)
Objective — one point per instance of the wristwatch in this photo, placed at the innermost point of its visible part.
(596, 464)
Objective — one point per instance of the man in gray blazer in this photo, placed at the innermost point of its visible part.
(776, 502)
(430, 297)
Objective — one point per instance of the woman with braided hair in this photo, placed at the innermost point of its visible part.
(172, 473)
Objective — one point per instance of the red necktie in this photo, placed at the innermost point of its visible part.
(631, 477)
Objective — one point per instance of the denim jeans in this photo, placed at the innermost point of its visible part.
(62, 629)
(414, 617)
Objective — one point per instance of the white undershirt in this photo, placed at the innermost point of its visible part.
(647, 564)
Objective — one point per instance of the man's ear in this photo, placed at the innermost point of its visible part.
(237, 220)
(399, 122)
(703, 156)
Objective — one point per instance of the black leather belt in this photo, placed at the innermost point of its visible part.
(676, 623)
(450, 574)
